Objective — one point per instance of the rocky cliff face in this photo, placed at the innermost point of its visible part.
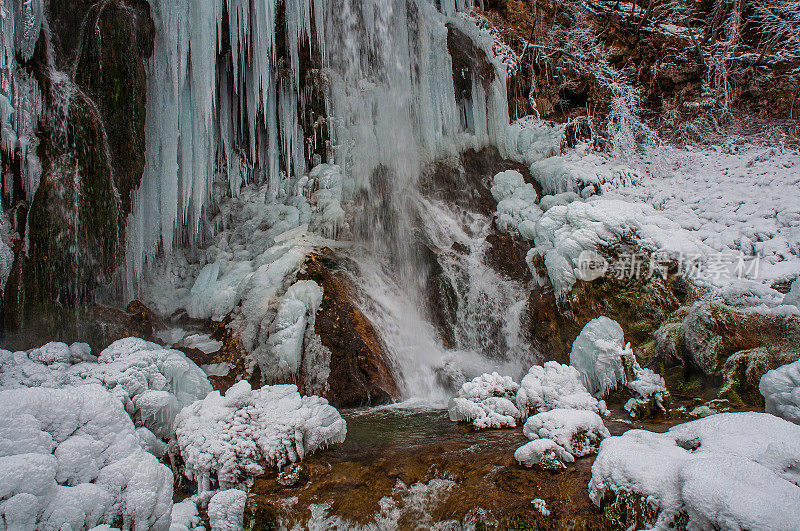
(89, 66)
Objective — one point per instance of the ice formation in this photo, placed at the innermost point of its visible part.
(726, 471)
(226, 510)
(578, 431)
(486, 401)
(184, 516)
(781, 390)
(71, 459)
(599, 353)
(516, 204)
(152, 383)
(555, 386)
(226, 438)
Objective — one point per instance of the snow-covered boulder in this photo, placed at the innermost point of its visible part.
(544, 453)
(486, 401)
(152, 382)
(781, 390)
(726, 471)
(579, 432)
(228, 437)
(226, 510)
(598, 353)
(71, 459)
(555, 386)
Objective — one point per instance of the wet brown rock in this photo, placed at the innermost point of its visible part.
(469, 184)
(640, 305)
(506, 254)
(360, 371)
(136, 320)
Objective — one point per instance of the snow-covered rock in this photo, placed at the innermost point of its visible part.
(71, 459)
(726, 471)
(226, 510)
(579, 432)
(781, 390)
(565, 232)
(152, 382)
(226, 438)
(555, 386)
(486, 401)
(598, 353)
(544, 453)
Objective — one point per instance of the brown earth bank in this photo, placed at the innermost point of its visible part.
(391, 448)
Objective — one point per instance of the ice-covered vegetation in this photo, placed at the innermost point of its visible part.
(726, 471)
(555, 386)
(71, 458)
(152, 383)
(487, 402)
(226, 439)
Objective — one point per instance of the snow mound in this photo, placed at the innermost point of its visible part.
(153, 383)
(544, 453)
(486, 402)
(227, 437)
(598, 353)
(579, 432)
(226, 510)
(555, 386)
(71, 459)
(781, 390)
(516, 204)
(726, 471)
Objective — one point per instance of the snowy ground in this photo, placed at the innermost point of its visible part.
(734, 199)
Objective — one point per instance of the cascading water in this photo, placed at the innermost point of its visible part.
(231, 94)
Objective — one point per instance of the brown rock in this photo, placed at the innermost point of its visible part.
(360, 371)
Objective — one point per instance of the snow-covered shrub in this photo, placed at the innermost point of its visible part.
(577, 431)
(726, 471)
(781, 390)
(226, 438)
(598, 354)
(152, 382)
(650, 392)
(544, 453)
(555, 386)
(184, 516)
(71, 459)
(226, 510)
(779, 20)
(486, 401)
